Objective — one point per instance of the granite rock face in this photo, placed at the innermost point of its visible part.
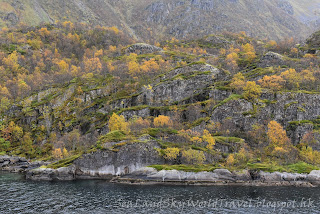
(104, 164)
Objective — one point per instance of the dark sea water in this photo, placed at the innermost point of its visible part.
(20, 196)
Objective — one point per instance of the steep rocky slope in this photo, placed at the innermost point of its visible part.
(173, 18)
(95, 98)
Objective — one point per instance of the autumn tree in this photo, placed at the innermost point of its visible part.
(207, 137)
(280, 145)
(162, 121)
(251, 91)
(118, 123)
(271, 44)
(231, 60)
(171, 153)
(238, 82)
(149, 66)
(276, 134)
(249, 52)
(27, 145)
(133, 65)
(12, 64)
(92, 65)
(137, 124)
(308, 79)
(57, 153)
(274, 82)
(193, 156)
(292, 78)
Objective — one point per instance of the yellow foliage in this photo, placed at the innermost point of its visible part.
(162, 121)
(207, 137)
(63, 66)
(307, 76)
(238, 82)
(117, 122)
(309, 155)
(247, 48)
(98, 53)
(292, 77)
(273, 82)
(230, 160)
(171, 153)
(57, 153)
(294, 50)
(249, 52)
(75, 71)
(148, 87)
(252, 91)
(150, 66)
(112, 48)
(12, 61)
(44, 32)
(92, 65)
(232, 56)
(110, 67)
(277, 135)
(196, 139)
(194, 156)
(115, 29)
(68, 24)
(222, 51)
(65, 153)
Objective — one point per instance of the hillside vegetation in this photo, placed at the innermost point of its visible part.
(223, 100)
(162, 19)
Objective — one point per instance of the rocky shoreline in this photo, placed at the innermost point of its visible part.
(17, 164)
(147, 176)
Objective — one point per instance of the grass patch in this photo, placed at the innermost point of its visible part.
(114, 136)
(300, 167)
(266, 167)
(65, 162)
(154, 132)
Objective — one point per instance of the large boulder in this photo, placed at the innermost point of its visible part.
(314, 177)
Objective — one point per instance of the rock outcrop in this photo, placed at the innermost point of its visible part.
(18, 164)
(104, 164)
(142, 48)
(271, 59)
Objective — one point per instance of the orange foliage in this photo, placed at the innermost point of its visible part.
(162, 121)
(273, 82)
